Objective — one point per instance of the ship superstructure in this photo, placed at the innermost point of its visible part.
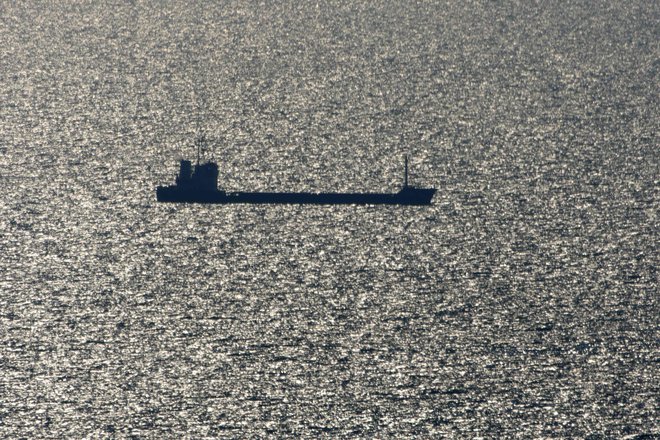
(200, 185)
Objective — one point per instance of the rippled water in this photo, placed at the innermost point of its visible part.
(522, 303)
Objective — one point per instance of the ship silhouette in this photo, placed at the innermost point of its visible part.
(200, 185)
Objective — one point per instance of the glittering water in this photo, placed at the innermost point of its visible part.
(523, 303)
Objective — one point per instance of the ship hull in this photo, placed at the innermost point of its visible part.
(407, 196)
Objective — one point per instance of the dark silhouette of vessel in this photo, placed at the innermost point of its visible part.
(200, 185)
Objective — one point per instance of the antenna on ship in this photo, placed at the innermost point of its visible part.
(405, 158)
(199, 135)
(200, 141)
(405, 176)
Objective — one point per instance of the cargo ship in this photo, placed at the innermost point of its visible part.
(199, 184)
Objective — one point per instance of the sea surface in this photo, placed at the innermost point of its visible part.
(523, 303)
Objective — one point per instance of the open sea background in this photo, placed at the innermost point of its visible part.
(522, 304)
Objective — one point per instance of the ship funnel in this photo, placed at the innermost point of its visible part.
(185, 172)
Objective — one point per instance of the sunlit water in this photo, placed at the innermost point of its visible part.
(522, 303)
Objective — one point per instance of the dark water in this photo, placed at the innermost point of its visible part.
(522, 304)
